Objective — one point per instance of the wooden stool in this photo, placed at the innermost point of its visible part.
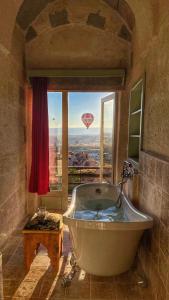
(51, 239)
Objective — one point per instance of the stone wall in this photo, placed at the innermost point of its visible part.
(153, 60)
(12, 136)
(88, 34)
(154, 200)
(151, 57)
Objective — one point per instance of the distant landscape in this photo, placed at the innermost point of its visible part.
(80, 139)
(76, 131)
(83, 152)
(79, 131)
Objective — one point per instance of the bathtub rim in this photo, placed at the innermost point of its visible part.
(145, 223)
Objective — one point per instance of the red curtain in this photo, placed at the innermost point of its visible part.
(39, 178)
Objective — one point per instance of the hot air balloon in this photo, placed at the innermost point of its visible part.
(87, 119)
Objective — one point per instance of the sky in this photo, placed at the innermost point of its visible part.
(79, 103)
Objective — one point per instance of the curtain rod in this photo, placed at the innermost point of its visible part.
(76, 73)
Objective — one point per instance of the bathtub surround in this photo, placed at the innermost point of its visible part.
(154, 200)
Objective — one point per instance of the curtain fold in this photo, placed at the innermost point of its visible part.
(39, 177)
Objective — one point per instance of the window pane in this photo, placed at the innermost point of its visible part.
(55, 140)
(84, 144)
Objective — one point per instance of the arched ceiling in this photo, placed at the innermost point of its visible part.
(142, 16)
(30, 9)
(75, 33)
(140, 12)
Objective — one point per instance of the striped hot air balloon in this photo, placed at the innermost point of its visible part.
(87, 119)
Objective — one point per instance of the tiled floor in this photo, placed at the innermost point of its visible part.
(42, 283)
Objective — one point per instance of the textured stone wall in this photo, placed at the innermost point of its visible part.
(153, 60)
(8, 12)
(12, 137)
(154, 200)
(152, 57)
(88, 34)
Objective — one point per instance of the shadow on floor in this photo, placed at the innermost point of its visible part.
(41, 282)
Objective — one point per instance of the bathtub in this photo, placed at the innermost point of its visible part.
(104, 245)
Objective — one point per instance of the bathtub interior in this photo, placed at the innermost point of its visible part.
(96, 196)
(97, 202)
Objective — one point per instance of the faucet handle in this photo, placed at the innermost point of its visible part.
(128, 170)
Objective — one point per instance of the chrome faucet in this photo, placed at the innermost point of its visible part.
(127, 173)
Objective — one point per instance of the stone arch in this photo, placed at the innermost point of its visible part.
(81, 36)
(30, 9)
(141, 10)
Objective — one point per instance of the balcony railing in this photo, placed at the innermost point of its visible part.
(82, 174)
(79, 175)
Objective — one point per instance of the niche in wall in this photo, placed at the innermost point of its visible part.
(135, 120)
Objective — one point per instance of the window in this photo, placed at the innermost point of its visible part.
(55, 140)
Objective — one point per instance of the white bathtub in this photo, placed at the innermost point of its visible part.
(104, 248)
